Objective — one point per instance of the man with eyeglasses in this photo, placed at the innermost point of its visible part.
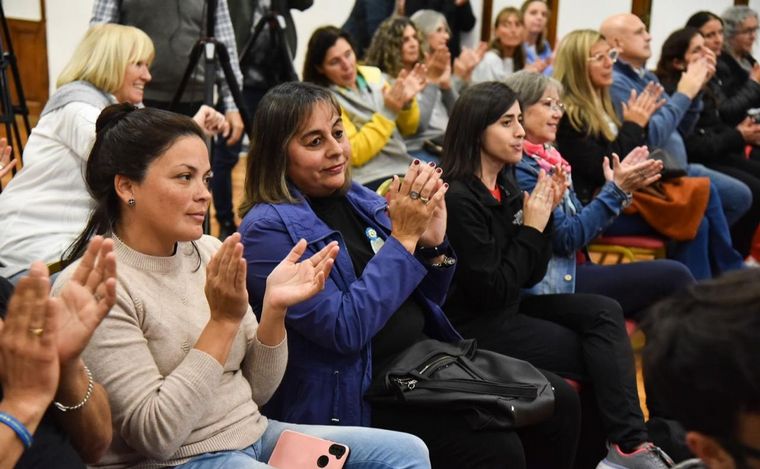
(701, 360)
(679, 112)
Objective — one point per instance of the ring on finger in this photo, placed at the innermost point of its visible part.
(2, 166)
(97, 296)
(414, 195)
(424, 200)
(36, 331)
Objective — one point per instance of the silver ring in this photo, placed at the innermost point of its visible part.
(424, 200)
(97, 297)
(414, 195)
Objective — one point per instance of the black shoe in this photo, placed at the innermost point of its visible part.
(226, 228)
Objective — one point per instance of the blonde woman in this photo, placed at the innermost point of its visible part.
(46, 204)
(590, 130)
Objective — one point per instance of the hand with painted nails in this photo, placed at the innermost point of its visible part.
(412, 204)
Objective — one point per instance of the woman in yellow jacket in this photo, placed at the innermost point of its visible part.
(375, 113)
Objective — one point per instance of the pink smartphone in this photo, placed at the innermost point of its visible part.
(299, 451)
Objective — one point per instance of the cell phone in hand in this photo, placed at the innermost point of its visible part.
(296, 450)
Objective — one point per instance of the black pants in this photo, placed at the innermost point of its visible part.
(453, 444)
(748, 172)
(577, 336)
(636, 286)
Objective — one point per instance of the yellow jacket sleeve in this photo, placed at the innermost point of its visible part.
(409, 119)
(367, 141)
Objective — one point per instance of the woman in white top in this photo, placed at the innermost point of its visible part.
(506, 54)
(46, 204)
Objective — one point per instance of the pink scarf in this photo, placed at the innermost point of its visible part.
(546, 155)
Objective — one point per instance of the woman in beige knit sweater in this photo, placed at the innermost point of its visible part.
(186, 367)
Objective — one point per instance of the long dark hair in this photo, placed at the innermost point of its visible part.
(279, 116)
(674, 48)
(127, 141)
(322, 39)
(477, 107)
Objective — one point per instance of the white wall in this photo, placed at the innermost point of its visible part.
(669, 15)
(67, 21)
(587, 14)
(22, 9)
(322, 13)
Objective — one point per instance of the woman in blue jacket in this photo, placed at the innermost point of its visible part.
(576, 225)
(383, 294)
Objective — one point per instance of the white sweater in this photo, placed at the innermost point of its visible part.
(46, 205)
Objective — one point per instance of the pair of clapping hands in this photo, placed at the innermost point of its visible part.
(43, 335)
(634, 172)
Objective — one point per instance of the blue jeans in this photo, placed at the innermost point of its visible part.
(735, 196)
(226, 157)
(709, 254)
(369, 448)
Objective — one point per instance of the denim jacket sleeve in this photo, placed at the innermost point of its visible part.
(349, 312)
(573, 231)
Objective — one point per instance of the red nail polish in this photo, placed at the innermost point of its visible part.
(431, 164)
(438, 170)
(446, 185)
(416, 162)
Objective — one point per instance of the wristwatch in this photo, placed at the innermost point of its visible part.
(446, 262)
(435, 251)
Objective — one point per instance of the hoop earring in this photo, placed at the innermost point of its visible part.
(131, 203)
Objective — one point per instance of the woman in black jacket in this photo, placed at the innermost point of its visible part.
(502, 238)
(715, 143)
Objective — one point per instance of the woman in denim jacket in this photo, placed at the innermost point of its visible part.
(575, 226)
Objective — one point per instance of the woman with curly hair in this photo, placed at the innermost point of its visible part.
(399, 45)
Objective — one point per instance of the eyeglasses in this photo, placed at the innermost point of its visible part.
(611, 54)
(554, 104)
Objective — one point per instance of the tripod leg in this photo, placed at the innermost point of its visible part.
(229, 77)
(195, 55)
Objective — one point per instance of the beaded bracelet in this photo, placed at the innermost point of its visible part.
(90, 386)
(21, 431)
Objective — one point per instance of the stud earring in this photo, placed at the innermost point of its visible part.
(131, 202)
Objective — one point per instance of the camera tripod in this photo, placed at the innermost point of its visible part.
(8, 110)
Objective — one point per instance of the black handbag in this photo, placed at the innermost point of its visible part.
(495, 391)
(671, 169)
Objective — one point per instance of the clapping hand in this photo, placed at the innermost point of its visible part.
(469, 59)
(634, 172)
(29, 366)
(6, 163)
(439, 67)
(417, 207)
(405, 88)
(560, 184)
(640, 107)
(85, 299)
(212, 121)
(292, 282)
(225, 288)
(538, 206)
